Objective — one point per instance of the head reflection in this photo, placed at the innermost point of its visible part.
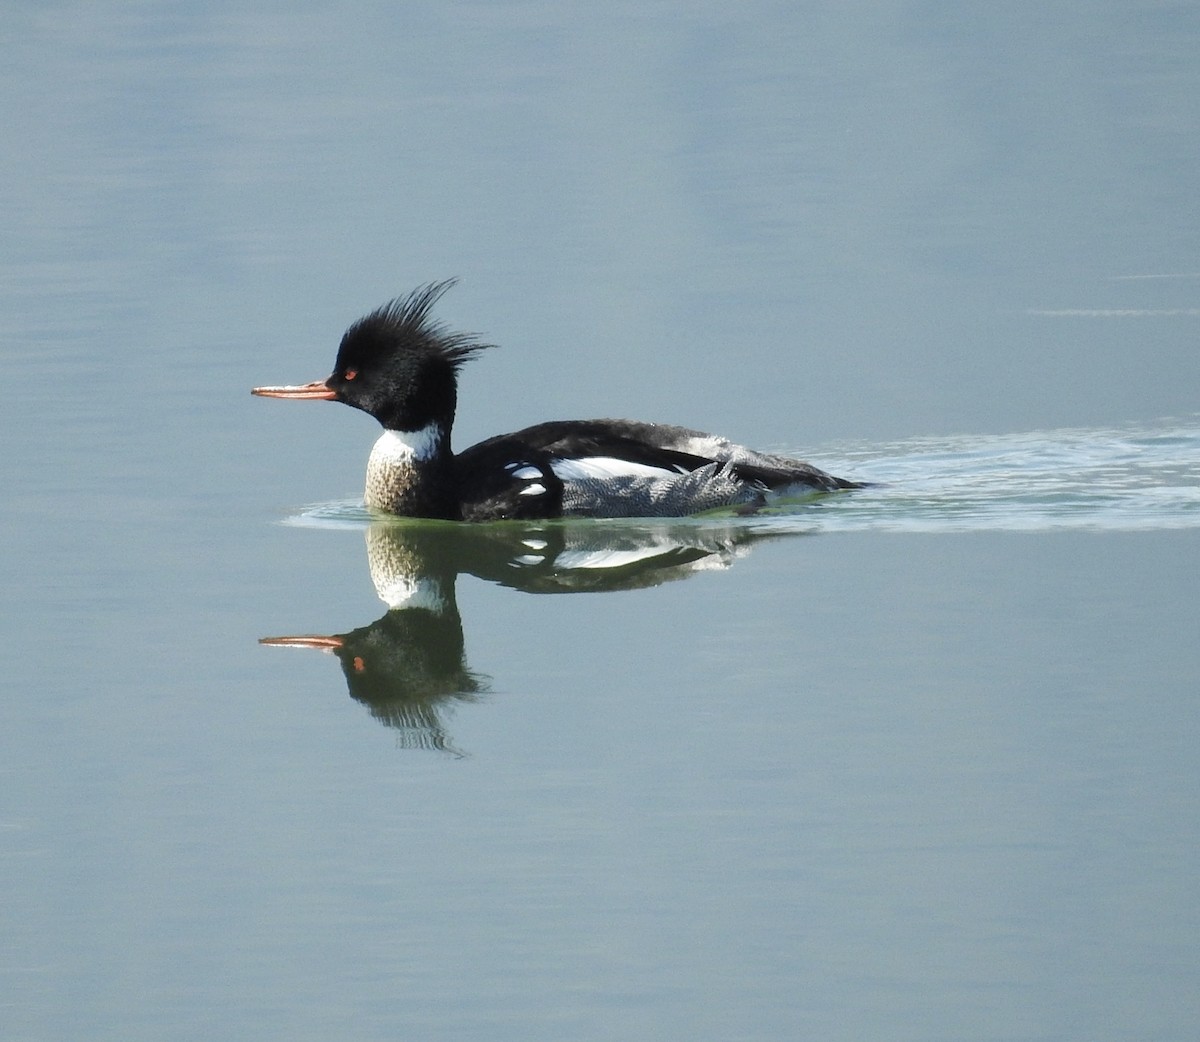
(409, 667)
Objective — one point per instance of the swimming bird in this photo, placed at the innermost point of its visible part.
(401, 366)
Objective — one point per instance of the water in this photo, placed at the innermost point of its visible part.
(916, 762)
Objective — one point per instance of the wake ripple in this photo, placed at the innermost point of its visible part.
(1123, 479)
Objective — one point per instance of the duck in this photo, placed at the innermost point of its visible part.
(401, 366)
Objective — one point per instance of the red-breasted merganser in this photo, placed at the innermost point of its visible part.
(401, 366)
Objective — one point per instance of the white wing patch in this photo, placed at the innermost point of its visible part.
(522, 471)
(594, 468)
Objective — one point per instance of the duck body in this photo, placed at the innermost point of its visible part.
(402, 368)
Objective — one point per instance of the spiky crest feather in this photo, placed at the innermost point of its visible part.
(406, 319)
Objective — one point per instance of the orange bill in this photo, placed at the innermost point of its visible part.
(320, 643)
(316, 390)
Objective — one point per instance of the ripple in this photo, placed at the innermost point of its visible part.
(339, 514)
(1133, 478)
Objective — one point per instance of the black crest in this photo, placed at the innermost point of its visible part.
(404, 325)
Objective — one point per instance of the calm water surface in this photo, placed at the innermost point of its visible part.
(913, 763)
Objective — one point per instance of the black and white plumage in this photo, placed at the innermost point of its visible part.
(401, 366)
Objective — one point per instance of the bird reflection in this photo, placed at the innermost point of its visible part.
(409, 666)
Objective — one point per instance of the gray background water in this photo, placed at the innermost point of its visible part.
(917, 784)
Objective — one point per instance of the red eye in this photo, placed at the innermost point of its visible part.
(350, 374)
